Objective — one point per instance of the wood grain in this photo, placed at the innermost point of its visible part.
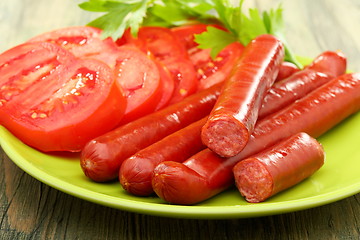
(30, 209)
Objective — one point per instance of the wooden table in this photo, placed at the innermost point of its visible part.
(30, 209)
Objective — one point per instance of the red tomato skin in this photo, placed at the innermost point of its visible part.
(167, 86)
(65, 108)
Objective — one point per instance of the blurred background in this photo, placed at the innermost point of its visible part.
(310, 25)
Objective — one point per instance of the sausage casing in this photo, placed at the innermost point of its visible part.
(278, 167)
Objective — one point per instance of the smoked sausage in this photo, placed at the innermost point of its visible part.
(102, 157)
(286, 70)
(326, 66)
(235, 113)
(206, 174)
(136, 171)
(278, 167)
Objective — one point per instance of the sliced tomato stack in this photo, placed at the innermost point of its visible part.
(135, 71)
(54, 101)
(165, 47)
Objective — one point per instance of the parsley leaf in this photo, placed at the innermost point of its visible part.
(121, 15)
(180, 12)
(94, 6)
(275, 24)
(171, 13)
(220, 39)
(244, 28)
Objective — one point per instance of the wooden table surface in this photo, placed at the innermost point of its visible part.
(30, 209)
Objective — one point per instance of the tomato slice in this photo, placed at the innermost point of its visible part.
(55, 102)
(24, 66)
(185, 34)
(82, 41)
(129, 40)
(167, 82)
(160, 41)
(166, 48)
(184, 76)
(167, 86)
(139, 76)
(212, 71)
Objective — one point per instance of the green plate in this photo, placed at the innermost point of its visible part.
(337, 179)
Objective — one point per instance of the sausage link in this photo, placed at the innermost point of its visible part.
(102, 157)
(286, 70)
(314, 114)
(325, 67)
(331, 63)
(278, 167)
(234, 115)
(136, 171)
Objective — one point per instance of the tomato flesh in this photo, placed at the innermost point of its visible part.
(162, 43)
(184, 76)
(166, 48)
(212, 71)
(140, 79)
(133, 69)
(26, 67)
(56, 102)
(82, 41)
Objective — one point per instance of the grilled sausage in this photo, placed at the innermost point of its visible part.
(278, 167)
(235, 113)
(206, 174)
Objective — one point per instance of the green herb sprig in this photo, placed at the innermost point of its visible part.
(122, 14)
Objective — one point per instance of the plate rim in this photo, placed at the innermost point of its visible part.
(171, 210)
